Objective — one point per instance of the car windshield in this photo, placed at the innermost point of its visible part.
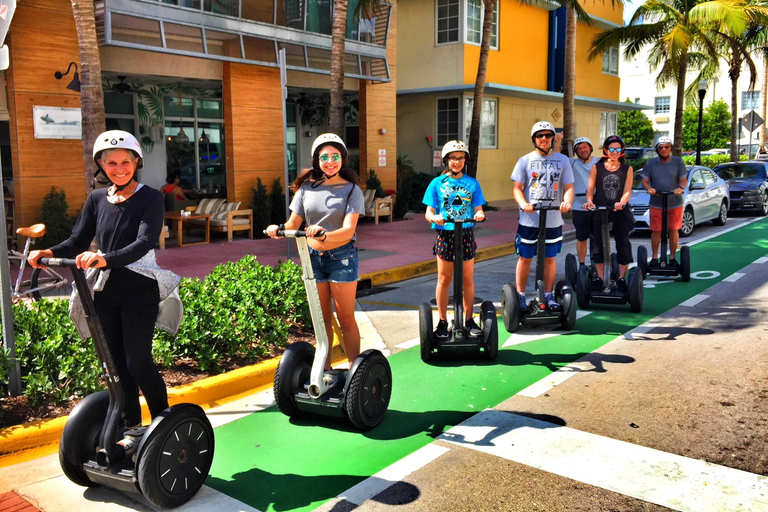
(741, 172)
(637, 180)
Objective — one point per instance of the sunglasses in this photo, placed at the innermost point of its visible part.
(544, 135)
(334, 157)
(456, 158)
(614, 150)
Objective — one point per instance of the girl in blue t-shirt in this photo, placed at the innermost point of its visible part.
(454, 195)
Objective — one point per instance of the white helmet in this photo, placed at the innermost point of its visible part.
(454, 145)
(115, 139)
(542, 126)
(664, 139)
(580, 140)
(329, 138)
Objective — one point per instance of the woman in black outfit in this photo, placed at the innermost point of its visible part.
(126, 219)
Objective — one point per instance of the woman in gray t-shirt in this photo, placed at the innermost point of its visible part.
(328, 198)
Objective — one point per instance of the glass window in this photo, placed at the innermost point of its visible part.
(319, 17)
(290, 13)
(116, 103)
(608, 124)
(662, 105)
(294, 54)
(447, 120)
(136, 30)
(611, 61)
(210, 109)
(697, 177)
(447, 21)
(750, 100)
(475, 15)
(263, 50)
(225, 7)
(488, 122)
(225, 44)
(183, 37)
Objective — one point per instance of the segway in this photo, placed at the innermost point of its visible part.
(539, 313)
(362, 395)
(609, 292)
(459, 339)
(167, 461)
(664, 268)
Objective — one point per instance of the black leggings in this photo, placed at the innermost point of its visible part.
(621, 230)
(127, 309)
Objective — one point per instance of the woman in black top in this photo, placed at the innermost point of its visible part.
(610, 184)
(126, 219)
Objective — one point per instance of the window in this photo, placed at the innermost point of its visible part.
(447, 21)
(611, 61)
(662, 105)
(750, 100)
(447, 120)
(488, 129)
(637, 101)
(475, 14)
(608, 124)
(118, 112)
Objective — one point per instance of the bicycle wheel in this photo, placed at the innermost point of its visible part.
(33, 283)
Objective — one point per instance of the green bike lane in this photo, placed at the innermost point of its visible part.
(271, 462)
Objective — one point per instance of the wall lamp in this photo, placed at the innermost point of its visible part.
(74, 85)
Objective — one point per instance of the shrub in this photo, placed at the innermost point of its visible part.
(411, 193)
(54, 214)
(277, 203)
(261, 207)
(374, 183)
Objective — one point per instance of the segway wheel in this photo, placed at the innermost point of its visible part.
(292, 372)
(571, 269)
(614, 267)
(490, 329)
(642, 260)
(369, 391)
(635, 285)
(425, 331)
(510, 309)
(583, 288)
(564, 296)
(176, 456)
(685, 263)
(81, 436)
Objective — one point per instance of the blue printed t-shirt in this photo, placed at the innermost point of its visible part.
(543, 178)
(454, 198)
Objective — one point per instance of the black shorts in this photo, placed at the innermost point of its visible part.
(444, 241)
(582, 221)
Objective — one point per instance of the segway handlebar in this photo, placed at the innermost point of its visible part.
(295, 233)
(449, 220)
(544, 207)
(58, 262)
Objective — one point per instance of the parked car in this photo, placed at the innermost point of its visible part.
(638, 153)
(705, 199)
(748, 182)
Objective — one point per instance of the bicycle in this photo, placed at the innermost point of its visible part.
(42, 279)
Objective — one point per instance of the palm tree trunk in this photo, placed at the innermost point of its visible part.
(764, 101)
(338, 34)
(569, 82)
(677, 146)
(91, 91)
(482, 71)
(734, 117)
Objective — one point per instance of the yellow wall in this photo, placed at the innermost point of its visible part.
(416, 120)
(605, 10)
(590, 79)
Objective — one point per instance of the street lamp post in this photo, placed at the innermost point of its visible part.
(702, 93)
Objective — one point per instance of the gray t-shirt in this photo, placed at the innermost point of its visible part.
(327, 205)
(581, 180)
(665, 177)
(543, 178)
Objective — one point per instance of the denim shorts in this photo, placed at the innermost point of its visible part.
(338, 265)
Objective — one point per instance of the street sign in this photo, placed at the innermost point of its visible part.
(752, 120)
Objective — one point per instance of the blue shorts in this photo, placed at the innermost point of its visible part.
(525, 242)
(338, 265)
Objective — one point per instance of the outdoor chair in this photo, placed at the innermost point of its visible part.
(225, 217)
(378, 206)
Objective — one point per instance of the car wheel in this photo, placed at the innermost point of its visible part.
(764, 206)
(722, 218)
(688, 223)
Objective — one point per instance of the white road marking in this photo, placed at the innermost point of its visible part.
(517, 338)
(379, 482)
(665, 479)
(408, 344)
(553, 379)
(640, 329)
(761, 260)
(734, 277)
(696, 299)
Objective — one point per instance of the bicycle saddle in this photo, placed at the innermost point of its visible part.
(33, 231)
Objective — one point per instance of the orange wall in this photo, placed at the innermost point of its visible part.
(590, 79)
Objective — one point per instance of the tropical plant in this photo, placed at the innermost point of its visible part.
(374, 183)
(715, 131)
(54, 214)
(403, 164)
(679, 34)
(635, 127)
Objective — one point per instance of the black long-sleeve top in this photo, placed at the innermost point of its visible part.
(124, 231)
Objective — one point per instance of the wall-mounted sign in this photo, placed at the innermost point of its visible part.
(382, 158)
(437, 161)
(57, 123)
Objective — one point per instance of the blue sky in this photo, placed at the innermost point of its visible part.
(630, 8)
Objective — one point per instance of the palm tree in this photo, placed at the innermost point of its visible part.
(674, 30)
(91, 91)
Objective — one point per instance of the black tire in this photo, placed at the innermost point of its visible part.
(635, 284)
(33, 283)
(369, 391)
(510, 309)
(689, 223)
(176, 456)
(564, 296)
(80, 437)
(685, 263)
(571, 269)
(614, 267)
(722, 218)
(584, 288)
(292, 372)
(763, 211)
(642, 260)
(490, 329)
(425, 331)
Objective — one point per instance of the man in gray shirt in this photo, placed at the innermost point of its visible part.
(665, 173)
(582, 219)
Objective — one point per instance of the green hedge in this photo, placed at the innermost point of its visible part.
(241, 309)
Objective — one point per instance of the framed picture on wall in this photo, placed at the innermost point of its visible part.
(57, 122)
